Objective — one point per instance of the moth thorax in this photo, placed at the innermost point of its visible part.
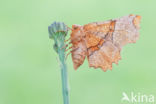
(77, 33)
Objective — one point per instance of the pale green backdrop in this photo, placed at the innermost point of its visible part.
(29, 68)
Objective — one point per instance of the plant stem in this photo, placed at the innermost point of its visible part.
(64, 75)
(58, 32)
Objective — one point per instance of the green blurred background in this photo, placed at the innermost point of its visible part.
(29, 68)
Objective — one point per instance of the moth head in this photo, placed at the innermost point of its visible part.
(77, 33)
(76, 27)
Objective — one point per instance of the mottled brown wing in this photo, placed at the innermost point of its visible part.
(104, 40)
(126, 30)
(78, 46)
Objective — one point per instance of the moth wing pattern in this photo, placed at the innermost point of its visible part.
(104, 40)
(126, 30)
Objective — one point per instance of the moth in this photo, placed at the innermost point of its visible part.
(102, 42)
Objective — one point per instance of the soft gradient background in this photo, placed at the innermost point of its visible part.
(29, 69)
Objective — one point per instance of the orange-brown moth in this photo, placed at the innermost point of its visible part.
(102, 42)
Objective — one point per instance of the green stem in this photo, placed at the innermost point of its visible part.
(64, 83)
(64, 74)
(58, 32)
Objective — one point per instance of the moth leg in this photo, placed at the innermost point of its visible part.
(67, 40)
(65, 46)
(69, 48)
(67, 55)
(70, 52)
